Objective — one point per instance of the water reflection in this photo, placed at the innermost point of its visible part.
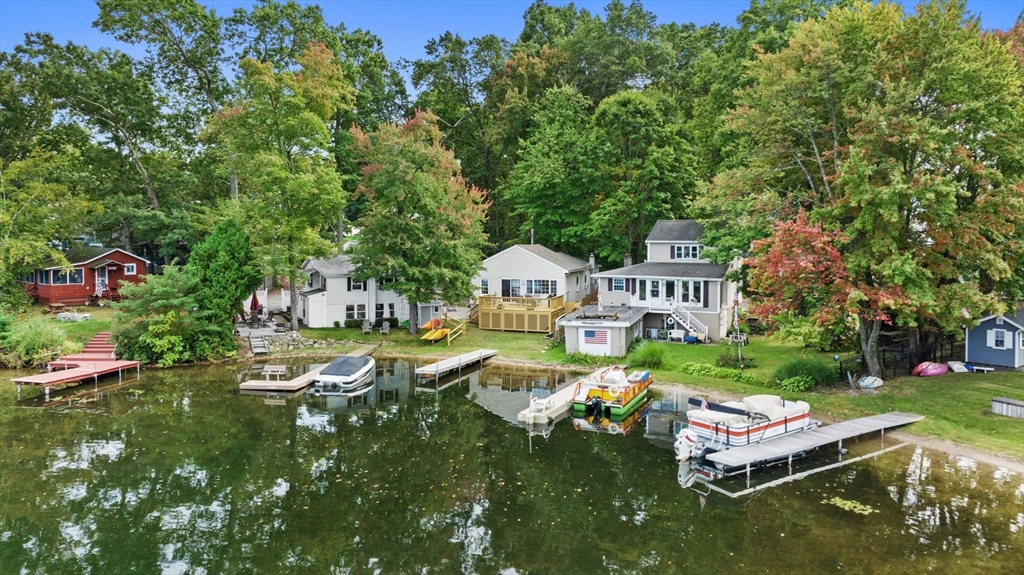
(190, 477)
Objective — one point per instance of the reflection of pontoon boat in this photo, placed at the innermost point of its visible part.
(718, 427)
(344, 375)
(612, 425)
(608, 391)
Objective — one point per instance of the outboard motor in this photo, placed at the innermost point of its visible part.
(597, 406)
(688, 445)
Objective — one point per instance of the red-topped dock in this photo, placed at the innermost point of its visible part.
(96, 359)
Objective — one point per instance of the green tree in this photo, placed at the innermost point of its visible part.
(278, 140)
(224, 271)
(424, 225)
(643, 172)
(901, 134)
(549, 186)
(160, 321)
(38, 204)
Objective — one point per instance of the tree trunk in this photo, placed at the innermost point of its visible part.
(869, 330)
(414, 320)
(293, 291)
(234, 185)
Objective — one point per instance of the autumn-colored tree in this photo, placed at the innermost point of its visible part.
(423, 226)
(901, 134)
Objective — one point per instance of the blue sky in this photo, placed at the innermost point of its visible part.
(405, 26)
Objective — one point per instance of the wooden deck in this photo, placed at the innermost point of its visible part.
(791, 445)
(446, 366)
(526, 314)
(301, 382)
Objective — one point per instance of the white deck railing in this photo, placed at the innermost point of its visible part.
(691, 322)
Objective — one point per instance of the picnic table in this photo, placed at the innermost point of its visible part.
(55, 308)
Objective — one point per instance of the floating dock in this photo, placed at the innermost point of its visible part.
(548, 409)
(453, 364)
(299, 383)
(798, 443)
(96, 359)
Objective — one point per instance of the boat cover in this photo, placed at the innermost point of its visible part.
(773, 407)
(346, 365)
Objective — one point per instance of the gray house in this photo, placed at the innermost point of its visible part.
(998, 340)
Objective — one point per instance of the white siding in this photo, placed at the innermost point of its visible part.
(517, 263)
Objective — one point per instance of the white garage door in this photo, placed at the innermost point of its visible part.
(595, 341)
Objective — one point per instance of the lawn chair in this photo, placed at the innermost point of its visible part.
(367, 327)
(385, 328)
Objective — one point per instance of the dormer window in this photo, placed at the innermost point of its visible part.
(687, 252)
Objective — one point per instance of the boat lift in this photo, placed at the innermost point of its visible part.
(742, 460)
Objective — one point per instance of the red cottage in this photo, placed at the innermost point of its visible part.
(97, 273)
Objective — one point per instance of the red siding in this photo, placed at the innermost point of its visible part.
(79, 294)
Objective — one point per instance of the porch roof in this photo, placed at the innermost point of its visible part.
(668, 270)
(105, 262)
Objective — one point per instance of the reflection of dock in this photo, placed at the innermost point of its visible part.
(301, 382)
(454, 364)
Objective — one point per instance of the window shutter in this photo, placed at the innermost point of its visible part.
(671, 252)
(707, 292)
(349, 278)
(990, 338)
(609, 284)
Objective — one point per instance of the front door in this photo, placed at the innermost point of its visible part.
(101, 280)
(506, 288)
(656, 297)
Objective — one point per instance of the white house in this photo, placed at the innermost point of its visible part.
(331, 295)
(532, 270)
(675, 291)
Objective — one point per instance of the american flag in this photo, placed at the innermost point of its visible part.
(595, 336)
(703, 404)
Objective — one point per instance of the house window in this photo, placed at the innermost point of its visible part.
(999, 338)
(686, 252)
(697, 292)
(350, 312)
(43, 277)
(361, 311)
(670, 289)
(378, 313)
(27, 278)
(513, 289)
(691, 292)
(356, 286)
(540, 287)
(129, 269)
(618, 284)
(643, 290)
(577, 283)
(484, 287)
(76, 276)
(999, 320)
(391, 310)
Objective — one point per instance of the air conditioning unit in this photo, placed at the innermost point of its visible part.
(652, 333)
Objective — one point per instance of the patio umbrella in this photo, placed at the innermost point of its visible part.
(255, 303)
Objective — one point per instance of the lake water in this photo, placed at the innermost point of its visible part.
(179, 474)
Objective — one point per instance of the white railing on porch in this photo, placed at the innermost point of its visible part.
(692, 323)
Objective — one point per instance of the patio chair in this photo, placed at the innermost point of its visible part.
(367, 326)
(385, 328)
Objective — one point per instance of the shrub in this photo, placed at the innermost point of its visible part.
(380, 321)
(648, 354)
(797, 384)
(354, 323)
(580, 358)
(818, 371)
(32, 344)
(730, 361)
(337, 323)
(705, 370)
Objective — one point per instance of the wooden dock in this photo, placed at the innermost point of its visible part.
(96, 359)
(299, 383)
(791, 445)
(453, 364)
(548, 409)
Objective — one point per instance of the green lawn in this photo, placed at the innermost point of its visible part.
(81, 331)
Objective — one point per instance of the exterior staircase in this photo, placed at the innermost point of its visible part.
(685, 320)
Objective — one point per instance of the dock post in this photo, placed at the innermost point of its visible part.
(791, 464)
(19, 391)
(46, 392)
(840, 449)
(748, 476)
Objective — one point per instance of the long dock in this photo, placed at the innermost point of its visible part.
(452, 364)
(784, 447)
(303, 381)
(96, 359)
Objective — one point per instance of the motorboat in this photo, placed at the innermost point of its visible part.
(718, 427)
(344, 375)
(612, 425)
(609, 391)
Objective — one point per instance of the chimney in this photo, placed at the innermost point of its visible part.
(627, 261)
